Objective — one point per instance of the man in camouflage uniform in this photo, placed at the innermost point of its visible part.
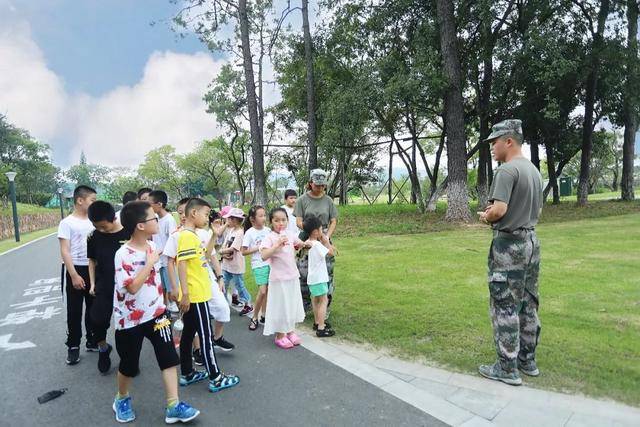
(514, 257)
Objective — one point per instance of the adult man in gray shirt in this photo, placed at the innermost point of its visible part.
(514, 256)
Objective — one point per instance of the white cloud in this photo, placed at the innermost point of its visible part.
(117, 128)
(165, 107)
(31, 95)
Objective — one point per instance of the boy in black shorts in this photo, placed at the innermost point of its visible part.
(72, 234)
(139, 312)
(102, 245)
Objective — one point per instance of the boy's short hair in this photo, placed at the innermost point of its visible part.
(133, 213)
(183, 201)
(159, 196)
(142, 191)
(311, 223)
(81, 192)
(129, 196)
(196, 203)
(288, 193)
(101, 211)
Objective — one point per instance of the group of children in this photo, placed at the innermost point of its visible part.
(143, 268)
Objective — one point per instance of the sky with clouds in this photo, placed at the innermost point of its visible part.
(96, 76)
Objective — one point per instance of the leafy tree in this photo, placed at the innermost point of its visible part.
(84, 173)
(160, 170)
(37, 178)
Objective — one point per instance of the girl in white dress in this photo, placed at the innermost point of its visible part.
(284, 305)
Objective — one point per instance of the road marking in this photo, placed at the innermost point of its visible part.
(8, 346)
(28, 243)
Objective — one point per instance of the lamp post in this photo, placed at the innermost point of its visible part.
(60, 190)
(12, 191)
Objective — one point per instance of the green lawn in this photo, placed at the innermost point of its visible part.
(425, 295)
(7, 244)
(363, 220)
(24, 209)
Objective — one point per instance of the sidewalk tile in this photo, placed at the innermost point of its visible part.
(582, 420)
(485, 405)
(523, 415)
(427, 402)
(404, 377)
(477, 422)
(434, 387)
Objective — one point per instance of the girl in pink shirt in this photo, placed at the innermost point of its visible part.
(284, 305)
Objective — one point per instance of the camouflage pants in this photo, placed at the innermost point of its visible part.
(302, 260)
(514, 264)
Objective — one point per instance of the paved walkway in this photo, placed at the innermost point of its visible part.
(294, 387)
(301, 386)
(465, 400)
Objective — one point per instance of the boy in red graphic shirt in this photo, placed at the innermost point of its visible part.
(139, 312)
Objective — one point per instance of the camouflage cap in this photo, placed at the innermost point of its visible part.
(505, 127)
(318, 177)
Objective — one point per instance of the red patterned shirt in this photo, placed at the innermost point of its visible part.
(130, 309)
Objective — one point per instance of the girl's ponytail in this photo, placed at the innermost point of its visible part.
(251, 215)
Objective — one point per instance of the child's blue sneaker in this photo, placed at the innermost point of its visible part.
(182, 412)
(223, 381)
(193, 377)
(124, 411)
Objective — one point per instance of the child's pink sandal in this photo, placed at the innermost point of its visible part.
(284, 343)
(294, 338)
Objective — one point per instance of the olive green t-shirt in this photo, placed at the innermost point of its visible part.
(322, 207)
(517, 183)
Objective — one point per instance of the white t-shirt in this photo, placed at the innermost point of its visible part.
(76, 230)
(252, 238)
(166, 226)
(317, 264)
(118, 215)
(291, 225)
(131, 309)
(171, 248)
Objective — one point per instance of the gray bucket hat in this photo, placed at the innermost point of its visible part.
(319, 177)
(505, 127)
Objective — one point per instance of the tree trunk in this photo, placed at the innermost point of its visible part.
(589, 103)
(630, 110)
(390, 189)
(535, 153)
(343, 179)
(311, 96)
(457, 194)
(434, 194)
(484, 97)
(260, 189)
(415, 182)
(551, 169)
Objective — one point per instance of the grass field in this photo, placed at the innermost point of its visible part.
(425, 296)
(415, 286)
(364, 220)
(7, 244)
(24, 209)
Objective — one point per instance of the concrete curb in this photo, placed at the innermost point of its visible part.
(467, 400)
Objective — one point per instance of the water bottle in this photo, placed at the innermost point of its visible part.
(178, 326)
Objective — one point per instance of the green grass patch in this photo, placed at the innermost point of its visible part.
(425, 295)
(364, 220)
(25, 209)
(11, 243)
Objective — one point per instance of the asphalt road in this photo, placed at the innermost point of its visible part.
(277, 387)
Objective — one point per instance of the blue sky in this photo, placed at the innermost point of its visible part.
(96, 76)
(97, 45)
